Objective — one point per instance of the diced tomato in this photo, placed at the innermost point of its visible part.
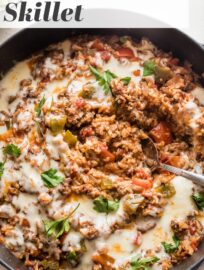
(98, 45)
(80, 103)
(87, 131)
(125, 52)
(136, 72)
(176, 161)
(141, 173)
(171, 160)
(174, 61)
(105, 56)
(135, 59)
(144, 183)
(106, 154)
(161, 133)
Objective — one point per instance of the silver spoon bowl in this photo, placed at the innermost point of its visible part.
(150, 150)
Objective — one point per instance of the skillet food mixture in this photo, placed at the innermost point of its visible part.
(76, 189)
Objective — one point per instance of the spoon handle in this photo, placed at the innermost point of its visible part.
(196, 178)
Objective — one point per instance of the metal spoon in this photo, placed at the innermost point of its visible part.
(150, 150)
(8, 261)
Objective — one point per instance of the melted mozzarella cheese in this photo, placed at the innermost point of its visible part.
(31, 180)
(52, 89)
(195, 112)
(101, 221)
(16, 239)
(179, 207)
(198, 92)
(120, 244)
(56, 146)
(3, 129)
(27, 205)
(124, 68)
(10, 84)
(71, 240)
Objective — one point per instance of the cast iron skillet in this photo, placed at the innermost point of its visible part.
(28, 41)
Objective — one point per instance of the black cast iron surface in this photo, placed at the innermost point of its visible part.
(28, 41)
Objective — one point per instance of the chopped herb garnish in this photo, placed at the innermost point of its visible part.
(39, 107)
(58, 227)
(51, 179)
(161, 74)
(104, 79)
(149, 68)
(169, 247)
(126, 80)
(138, 263)
(199, 200)
(103, 205)
(72, 258)
(12, 150)
(1, 169)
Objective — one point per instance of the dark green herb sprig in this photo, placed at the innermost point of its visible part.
(39, 107)
(169, 247)
(149, 68)
(51, 179)
(199, 200)
(103, 205)
(58, 227)
(126, 80)
(138, 263)
(104, 79)
(12, 150)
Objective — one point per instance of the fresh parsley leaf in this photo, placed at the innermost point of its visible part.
(1, 169)
(104, 79)
(170, 248)
(58, 227)
(199, 200)
(39, 107)
(138, 263)
(72, 258)
(149, 68)
(51, 179)
(102, 205)
(109, 75)
(96, 73)
(12, 150)
(126, 80)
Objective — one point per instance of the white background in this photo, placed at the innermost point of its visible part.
(187, 15)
